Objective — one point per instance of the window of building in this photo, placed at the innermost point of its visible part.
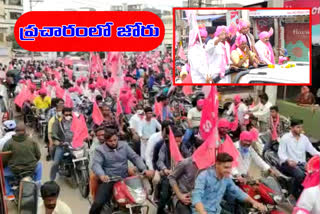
(14, 15)
(15, 2)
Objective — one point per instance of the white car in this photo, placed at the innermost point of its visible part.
(299, 74)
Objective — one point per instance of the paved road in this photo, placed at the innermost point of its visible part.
(72, 196)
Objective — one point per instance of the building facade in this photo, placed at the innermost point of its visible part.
(10, 11)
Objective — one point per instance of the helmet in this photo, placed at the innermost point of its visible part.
(9, 125)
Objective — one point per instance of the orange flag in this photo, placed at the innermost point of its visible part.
(22, 97)
(174, 150)
(205, 155)
(80, 131)
(96, 114)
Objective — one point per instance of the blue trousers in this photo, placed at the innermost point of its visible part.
(187, 135)
(58, 155)
(8, 176)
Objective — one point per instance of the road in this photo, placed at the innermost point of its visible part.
(71, 196)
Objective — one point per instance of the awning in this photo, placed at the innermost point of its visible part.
(208, 17)
(279, 13)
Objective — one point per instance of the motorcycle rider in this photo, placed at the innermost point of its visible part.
(97, 141)
(9, 127)
(194, 117)
(211, 184)
(278, 126)
(262, 112)
(61, 133)
(308, 202)
(292, 154)
(182, 183)
(111, 159)
(24, 157)
(164, 165)
(57, 115)
(150, 126)
(247, 155)
(42, 101)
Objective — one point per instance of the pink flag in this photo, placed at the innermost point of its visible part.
(21, 97)
(181, 53)
(205, 155)
(96, 114)
(69, 72)
(209, 115)
(174, 150)
(187, 89)
(80, 131)
(158, 109)
(59, 92)
(57, 75)
(228, 147)
(68, 101)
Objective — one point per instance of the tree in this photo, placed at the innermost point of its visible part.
(11, 38)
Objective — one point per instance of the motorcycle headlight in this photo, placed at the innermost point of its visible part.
(42, 117)
(78, 153)
(277, 198)
(139, 195)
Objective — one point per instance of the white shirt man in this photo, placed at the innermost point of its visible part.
(197, 59)
(153, 140)
(216, 54)
(309, 202)
(292, 149)
(136, 122)
(194, 116)
(245, 160)
(242, 110)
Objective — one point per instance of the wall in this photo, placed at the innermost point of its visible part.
(311, 118)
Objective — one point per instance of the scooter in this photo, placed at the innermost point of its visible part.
(129, 196)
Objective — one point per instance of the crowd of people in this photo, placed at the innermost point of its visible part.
(215, 51)
(130, 128)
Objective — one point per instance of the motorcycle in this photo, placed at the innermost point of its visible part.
(74, 166)
(42, 123)
(129, 196)
(269, 192)
(25, 191)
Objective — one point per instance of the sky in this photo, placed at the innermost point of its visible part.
(100, 5)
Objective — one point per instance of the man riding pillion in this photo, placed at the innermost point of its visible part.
(61, 133)
(194, 116)
(111, 159)
(9, 127)
(247, 155)
(292, 154)
(182, 183)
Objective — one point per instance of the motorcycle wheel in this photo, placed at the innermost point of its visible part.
(84, 183)
(73, 179)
